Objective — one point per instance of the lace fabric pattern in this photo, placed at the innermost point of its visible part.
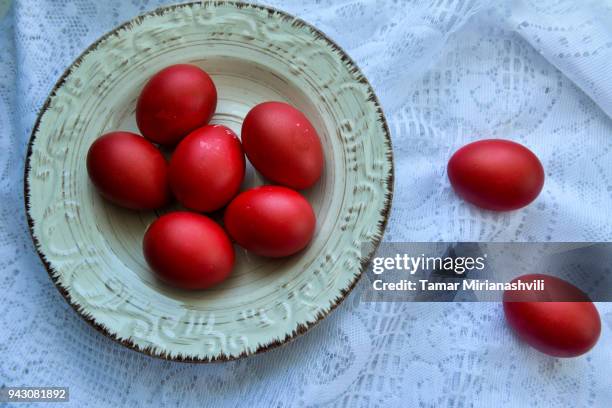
(447, 73)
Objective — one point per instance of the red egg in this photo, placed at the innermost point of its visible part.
(568, 327)
(282, 145)
(496, 174)
(207, 168)
(188, 250)
(129, 171)
(175, 101)
(270, 221)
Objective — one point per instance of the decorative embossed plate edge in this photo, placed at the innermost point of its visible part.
(302, 327)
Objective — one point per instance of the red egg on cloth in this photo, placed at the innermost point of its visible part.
(282, 145)
(207, 168)
(129, 171)
(496, 174)
(270, 221)
(568, 326)
(175, 101)
(188, 250)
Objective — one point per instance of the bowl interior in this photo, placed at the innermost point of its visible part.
(241, 84)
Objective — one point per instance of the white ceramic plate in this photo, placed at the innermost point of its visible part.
(92, 249)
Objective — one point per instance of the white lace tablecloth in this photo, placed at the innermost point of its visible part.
(447, 72)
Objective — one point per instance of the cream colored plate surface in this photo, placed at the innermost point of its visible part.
(92, 248)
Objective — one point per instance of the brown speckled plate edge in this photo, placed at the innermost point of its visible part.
(302, 328)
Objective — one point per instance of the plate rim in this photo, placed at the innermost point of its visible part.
(301, 327)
